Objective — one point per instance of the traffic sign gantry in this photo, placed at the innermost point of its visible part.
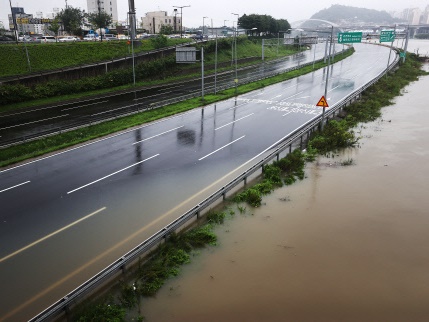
(349, 37)
(387, 35)
(322, 102)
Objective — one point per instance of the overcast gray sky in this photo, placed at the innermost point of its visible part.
(217, 10)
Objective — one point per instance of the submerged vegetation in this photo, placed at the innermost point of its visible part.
(283, 172)
(338, 134)
(150, 275)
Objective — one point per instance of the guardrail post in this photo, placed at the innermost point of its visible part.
(67, 312)
(300, 144)
(278, 156)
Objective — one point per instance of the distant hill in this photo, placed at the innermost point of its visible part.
(351, 15)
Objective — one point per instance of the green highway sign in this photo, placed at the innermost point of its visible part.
(387, 35)
(349, 37)
(402, 55)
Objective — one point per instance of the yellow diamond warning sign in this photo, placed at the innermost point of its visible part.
(322, 102)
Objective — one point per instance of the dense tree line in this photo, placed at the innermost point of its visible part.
(263, 24)
(72, 20)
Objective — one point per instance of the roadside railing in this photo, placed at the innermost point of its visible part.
(119, 265)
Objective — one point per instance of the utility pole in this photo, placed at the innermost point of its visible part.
(406, 43)
(14, 22)
(181, 18)
(132, 32)
(99, 18)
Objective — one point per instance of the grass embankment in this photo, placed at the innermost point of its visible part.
(39, 147)
(45, 57)
(147, 73)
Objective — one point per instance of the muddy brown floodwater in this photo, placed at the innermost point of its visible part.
(348, 243)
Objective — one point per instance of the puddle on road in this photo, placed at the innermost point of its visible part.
(349, 243)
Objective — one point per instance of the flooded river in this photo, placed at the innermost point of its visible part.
(348, 243)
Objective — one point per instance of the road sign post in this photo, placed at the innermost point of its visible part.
(387, 35)
(349, 37)
(322, 102)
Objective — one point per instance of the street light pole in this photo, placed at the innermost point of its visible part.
(202, 73)
(215, 76)
(327, 76)
(175, 20)
(235, 41)
(406, 43)
(203, 27)
(181, 18)
(232, 44)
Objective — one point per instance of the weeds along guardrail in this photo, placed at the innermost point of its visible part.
(295, 138)
(141, 107)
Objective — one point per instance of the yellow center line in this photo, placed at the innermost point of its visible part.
(116, 246)
(50, 235)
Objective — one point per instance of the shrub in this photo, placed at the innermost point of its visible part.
(335, 135)
(106, 311)
(272, 173)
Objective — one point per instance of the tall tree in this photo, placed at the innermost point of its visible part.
(72, 20)
(264, 24)
(100, 20)
(166, 30)
(283, 25)
(55, 26)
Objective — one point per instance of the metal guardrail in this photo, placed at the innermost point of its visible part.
(60, 306)
(140, 107)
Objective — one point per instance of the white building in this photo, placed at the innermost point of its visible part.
(412, 15)
(153, 21)
(108, 6)
(425, 16)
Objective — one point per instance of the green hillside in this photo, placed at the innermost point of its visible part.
(339, 13)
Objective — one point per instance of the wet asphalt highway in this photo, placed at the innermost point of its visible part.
(18, 125)
(67, 216)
